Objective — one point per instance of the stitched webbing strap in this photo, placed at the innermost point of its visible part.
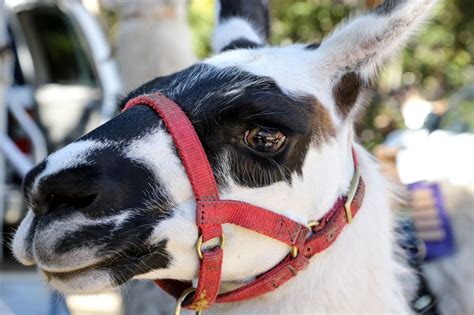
(324, 235)
(253, 218)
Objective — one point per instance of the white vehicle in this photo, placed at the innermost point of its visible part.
(64, 83)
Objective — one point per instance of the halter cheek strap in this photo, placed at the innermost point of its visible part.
(304, 241)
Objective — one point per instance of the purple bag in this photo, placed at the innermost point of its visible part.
(436, 234)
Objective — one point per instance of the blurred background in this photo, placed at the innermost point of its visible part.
(64, 64)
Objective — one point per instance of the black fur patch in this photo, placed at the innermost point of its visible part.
(255, 11)
(137, 260)
(114, 182)
(241, 43)
(118, 185)
(346, 92)
(312, 46)
(125, 128)
(388, 6)
(221, 114)
(109, 238)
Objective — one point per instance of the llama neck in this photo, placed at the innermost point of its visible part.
(357, 274)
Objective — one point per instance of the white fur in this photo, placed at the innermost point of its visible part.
(355, 275)
(90, 281)
(359, 273)
(155, 151)
(18, 246)
(365, 247)
(43, 254)
(44, 243)
(365, 42)
(231, 29)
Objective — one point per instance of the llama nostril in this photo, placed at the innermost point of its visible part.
(69, 189)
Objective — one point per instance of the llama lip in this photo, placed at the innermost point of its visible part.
(68, 274)
(91, 280)
(120, 267)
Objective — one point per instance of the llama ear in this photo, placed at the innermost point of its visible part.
(357, 49)
(240, 24)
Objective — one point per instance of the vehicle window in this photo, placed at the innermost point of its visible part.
(59, 55)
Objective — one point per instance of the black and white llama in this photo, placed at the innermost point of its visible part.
(277, 127)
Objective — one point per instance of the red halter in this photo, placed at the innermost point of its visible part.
(211, 213)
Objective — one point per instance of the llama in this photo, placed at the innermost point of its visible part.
(276, 124)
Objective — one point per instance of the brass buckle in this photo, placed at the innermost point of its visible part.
(177, 310)
(294, 251)
(351, 194)
(199, 244)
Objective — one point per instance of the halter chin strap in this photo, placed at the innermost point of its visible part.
(304, 241)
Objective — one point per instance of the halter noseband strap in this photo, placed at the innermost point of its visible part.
(211, 213)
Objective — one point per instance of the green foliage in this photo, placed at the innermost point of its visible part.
(443, 61)
(435, 67)
(201, 19)
(305, 21)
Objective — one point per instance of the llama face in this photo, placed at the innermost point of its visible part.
(117, 204)
(276, 125)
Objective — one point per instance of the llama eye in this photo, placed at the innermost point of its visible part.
(265, 140)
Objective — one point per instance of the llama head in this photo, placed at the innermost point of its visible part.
(276, 125)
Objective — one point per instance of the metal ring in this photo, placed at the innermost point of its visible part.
(199, 244)
(184, 295)
(312, 223)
